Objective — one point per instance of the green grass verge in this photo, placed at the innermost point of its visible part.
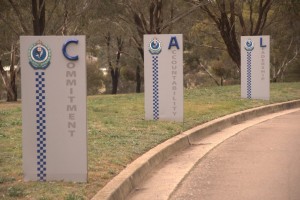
(117, 135)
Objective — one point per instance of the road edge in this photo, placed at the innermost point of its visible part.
(121, 186)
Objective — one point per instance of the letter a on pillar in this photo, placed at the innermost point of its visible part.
(173, 43)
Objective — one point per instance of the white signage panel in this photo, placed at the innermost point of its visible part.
(163, 74)
(54, 108)
(255, 67)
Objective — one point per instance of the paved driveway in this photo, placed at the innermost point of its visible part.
(260, 163)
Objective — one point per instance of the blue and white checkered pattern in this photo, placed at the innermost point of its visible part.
(41, 125)
(249, 79)
(155, 88)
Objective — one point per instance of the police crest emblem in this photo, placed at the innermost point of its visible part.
(39, 55)
(249, 45)
(155, 46)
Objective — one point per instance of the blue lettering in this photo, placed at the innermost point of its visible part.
(261, 43)
(173, 43)
(64, 50)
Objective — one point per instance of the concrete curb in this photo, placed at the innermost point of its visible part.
(121, 186)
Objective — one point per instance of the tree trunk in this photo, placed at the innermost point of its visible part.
(13, 74)
(11, 96)
(38, 13)
(138, 79)
(115, 72)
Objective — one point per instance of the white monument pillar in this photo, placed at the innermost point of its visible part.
(163, 68)
(53, 73)
(255, 67)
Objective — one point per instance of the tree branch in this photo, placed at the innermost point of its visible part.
(17, 11)
(180, 16)
(210, 75)
(205, 45)
(133, 57)
(241, 18)
(262, 16)
(9, 25)
(285, 61)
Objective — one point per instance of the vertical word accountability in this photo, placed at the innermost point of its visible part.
(173, 43)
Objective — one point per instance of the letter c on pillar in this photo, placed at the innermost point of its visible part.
(64, 49)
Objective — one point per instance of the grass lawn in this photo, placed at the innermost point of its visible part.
(117, 135)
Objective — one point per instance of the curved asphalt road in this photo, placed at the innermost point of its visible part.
(260, 163)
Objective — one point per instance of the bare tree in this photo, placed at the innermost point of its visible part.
(38, 13)
(15, 18)
(153, 20)
(17, 24)
(230, 19)
(285, 48)
(158, 17)
(287, 60)
(9, 76)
